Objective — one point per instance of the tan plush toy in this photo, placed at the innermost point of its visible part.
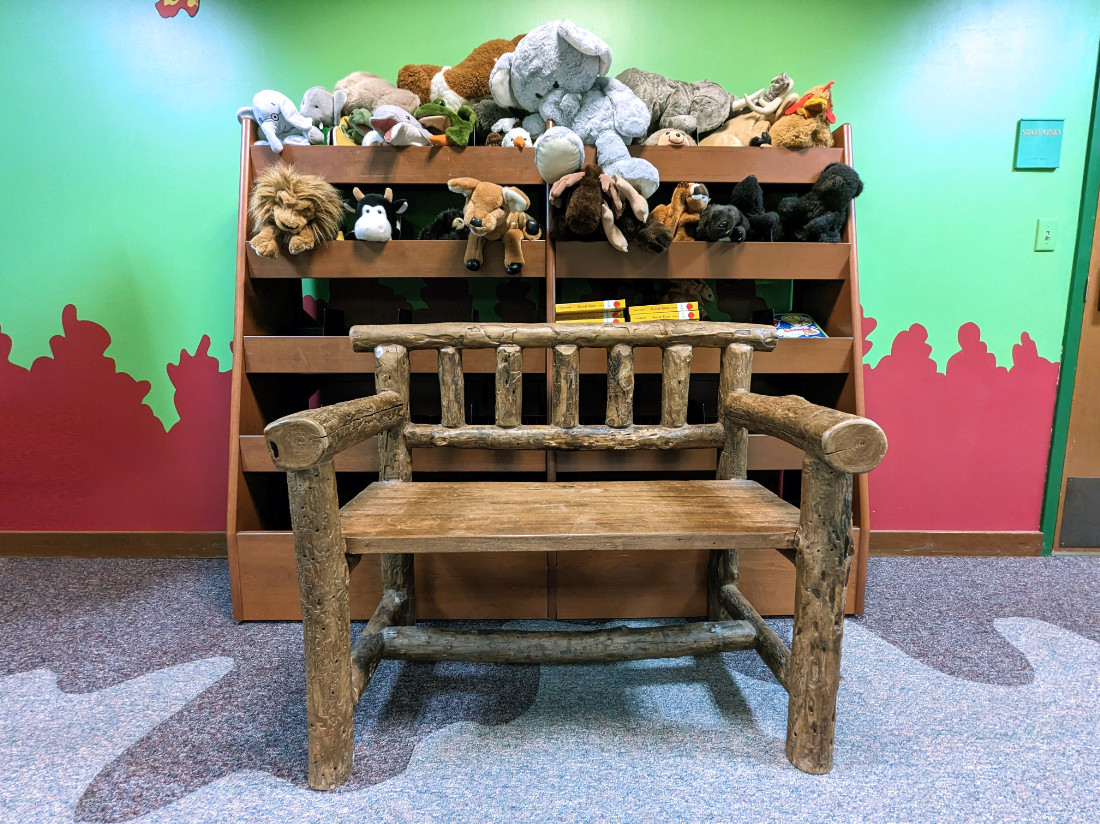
(369, 91)
(296, 209)
(679, 216)
(495, 212)
(805, 123)
(670, 137)
(459, 84)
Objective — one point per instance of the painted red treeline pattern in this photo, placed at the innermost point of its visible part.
(968, 446)
(83, 452)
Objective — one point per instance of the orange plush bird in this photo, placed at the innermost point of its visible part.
(805, 123)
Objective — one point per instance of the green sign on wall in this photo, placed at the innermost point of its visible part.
(1039, 144)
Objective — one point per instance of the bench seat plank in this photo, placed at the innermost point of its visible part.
(549, 517)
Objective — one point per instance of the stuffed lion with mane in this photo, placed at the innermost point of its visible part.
(301, 210)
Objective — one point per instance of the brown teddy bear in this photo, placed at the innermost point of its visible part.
(495, 212)
(300, 210)
(682, 213)
(459, 84)
(805, 123)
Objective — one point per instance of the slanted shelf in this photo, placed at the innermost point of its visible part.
(278, 369)
(828, 370)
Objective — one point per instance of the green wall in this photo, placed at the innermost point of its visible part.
(122, 165)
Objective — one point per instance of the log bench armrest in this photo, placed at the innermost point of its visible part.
(310, 438)
(847, 443)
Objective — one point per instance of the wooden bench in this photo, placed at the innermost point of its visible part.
(396, 518)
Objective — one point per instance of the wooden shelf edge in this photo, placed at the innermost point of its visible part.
(729, 164)
(697, 259)
(309, 354)
(395, 259)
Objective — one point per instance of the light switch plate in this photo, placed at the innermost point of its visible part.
(1046, 233)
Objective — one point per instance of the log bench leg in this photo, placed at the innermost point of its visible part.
(821, 579)
(326, 624)
(722, 569)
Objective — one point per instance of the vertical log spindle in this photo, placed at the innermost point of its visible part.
(825, 552)
(722, 568)
(452, 392)
(675, 383)
(391, 371)
(509, 385)
(620, 385)
(565, 395)
(735, 374)
(326, 623)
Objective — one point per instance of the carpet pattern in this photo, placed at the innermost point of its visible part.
(971, 692)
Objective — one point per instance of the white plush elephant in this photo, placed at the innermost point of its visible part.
(280, 122)
(558, 73)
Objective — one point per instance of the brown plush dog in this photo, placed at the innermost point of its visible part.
(458, 84)
(302, 210)
(495, 212)
(682, 213)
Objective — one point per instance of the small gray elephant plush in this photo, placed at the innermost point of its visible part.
(322, 106)
(695, 108)
(558, 72)
(279, 121)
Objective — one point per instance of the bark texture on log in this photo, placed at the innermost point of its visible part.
(391, 372)
(368, 648)
(582, 647)
(675, 384)
(545, 335)
(821, 578)
(509, 385)
(306, 439)
(696, 436)
(620, 386)
(722, 568)
(565, 390)
(770, 646)
(326, 623)
(452, 387)
(845, 442)
(735, 375)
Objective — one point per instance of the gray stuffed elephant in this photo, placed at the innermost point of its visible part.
(280, 122)
(322, 106)
(695, 108)
(558, 73)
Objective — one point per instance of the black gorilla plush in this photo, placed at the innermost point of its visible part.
(748, 196)
(819, 215)
(721, 221)
(448, 225)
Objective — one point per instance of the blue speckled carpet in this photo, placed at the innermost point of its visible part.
(970, 693)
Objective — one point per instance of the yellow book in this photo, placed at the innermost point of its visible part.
(666, 307)
(683, 314)
(571, 319)
(589, 307)
(593, 316)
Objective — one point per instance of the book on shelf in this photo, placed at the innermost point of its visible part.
(679, 314)
(588, 307)
(604, 319)
(649, 308)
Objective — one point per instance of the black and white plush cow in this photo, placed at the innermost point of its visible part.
(377, 217)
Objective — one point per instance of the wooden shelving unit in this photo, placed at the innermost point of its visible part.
(279, 369)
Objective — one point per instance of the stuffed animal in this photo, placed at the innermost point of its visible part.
(377, 217)
(819, 215)
(592, 205)
(353, 128)
(396, 127)
(558, 73)
(805, 122)
(748, 197)
(369, 91)
(695, 108)
(765, 101)
(459, 84)
(689, 201)
(299, 210)
(689, 289)
(280, 122)
(722, 222)
(495, 212)
(457, 126)
(670, 137)
(448, 225)
(492, 117)
(323, 107)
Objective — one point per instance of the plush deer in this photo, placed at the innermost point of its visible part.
(495, 212)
